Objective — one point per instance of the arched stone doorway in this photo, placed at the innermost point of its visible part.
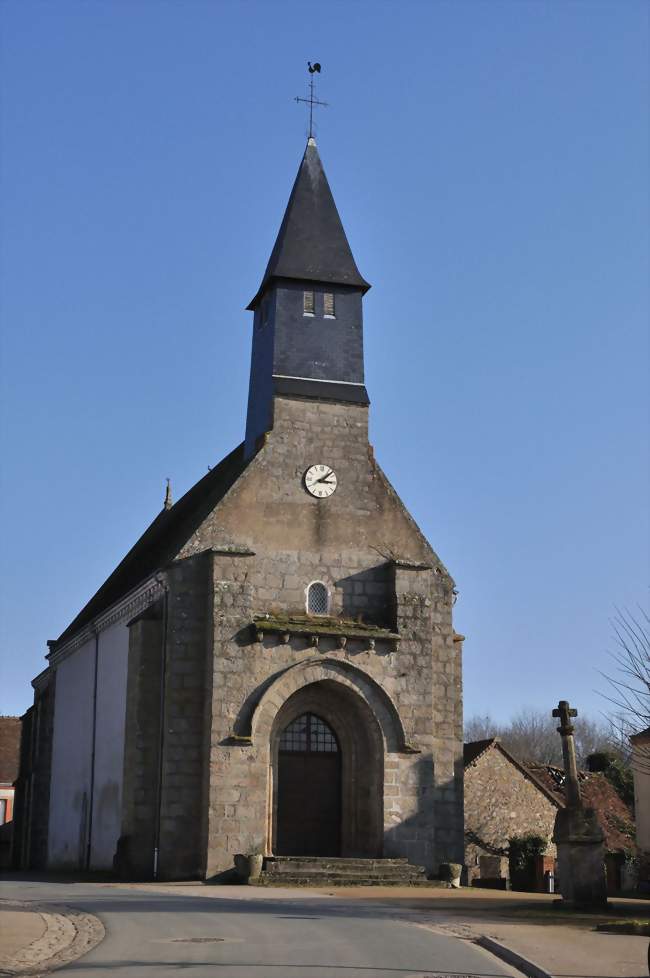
(309, 789)
(352, 824)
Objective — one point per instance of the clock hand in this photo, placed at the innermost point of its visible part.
(325, 478)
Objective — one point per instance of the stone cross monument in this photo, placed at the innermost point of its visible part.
(577, 834)
(572, 786)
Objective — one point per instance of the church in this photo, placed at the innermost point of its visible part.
(272, 668)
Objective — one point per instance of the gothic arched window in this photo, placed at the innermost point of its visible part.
(317, 599)
(309, 734)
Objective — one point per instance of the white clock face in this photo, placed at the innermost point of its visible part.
(320, 480)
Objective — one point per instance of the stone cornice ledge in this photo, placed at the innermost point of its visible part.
(404, 563)
(316, 626)
(232, 550)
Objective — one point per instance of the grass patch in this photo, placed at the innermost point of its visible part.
(639, 927)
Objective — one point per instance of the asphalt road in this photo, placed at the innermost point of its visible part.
(245, 932)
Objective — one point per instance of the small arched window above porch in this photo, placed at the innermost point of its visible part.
(318, 599)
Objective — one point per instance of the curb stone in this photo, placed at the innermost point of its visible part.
(466, 932)
(69, 934)
(511, 957)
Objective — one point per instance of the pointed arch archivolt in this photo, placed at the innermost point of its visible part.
(259, 718)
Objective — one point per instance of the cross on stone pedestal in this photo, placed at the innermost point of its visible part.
(577, 832)
(565, 713)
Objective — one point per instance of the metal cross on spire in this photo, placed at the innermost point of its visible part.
(312, 100)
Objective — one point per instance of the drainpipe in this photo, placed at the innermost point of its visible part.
(92, 754)
(161, 726)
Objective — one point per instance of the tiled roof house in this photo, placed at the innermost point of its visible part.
(506, 797)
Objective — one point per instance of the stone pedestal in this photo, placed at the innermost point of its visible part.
(581, 859)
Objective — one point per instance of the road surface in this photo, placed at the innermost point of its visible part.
(246, 932)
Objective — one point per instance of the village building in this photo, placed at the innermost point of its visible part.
(272, 668)
(9, 751)
(506, 797)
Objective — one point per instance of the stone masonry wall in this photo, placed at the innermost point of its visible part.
(501, 802)
(183, 821)
(349, 542)
(423, 618)
(142, 745)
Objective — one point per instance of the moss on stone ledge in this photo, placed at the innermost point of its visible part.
(320, 625)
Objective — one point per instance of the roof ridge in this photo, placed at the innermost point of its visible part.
(162, 539)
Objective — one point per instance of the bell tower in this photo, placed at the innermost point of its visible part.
(307, 313)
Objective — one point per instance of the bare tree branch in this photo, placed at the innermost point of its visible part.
(629, 682)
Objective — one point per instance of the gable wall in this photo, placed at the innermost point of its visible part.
(500, 802)
(345, 541)
(269, 510)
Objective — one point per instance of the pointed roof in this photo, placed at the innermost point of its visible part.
(311, 243)
(162, 539)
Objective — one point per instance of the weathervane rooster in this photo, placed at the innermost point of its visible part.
(311, 101)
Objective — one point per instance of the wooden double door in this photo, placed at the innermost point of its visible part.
(309, 789)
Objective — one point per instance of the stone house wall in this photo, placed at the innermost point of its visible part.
(501, 802)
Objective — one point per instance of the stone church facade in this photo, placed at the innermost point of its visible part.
(273, 666)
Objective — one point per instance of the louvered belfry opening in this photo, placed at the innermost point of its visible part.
(309, 789)
(308, 303)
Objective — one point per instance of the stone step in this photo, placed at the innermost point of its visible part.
(340, 871)
(411, 872)
(364, 860)
(289, 863)
(406, 878)
(286, 880)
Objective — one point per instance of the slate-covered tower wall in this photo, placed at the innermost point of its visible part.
(290, 349)
(307, 353)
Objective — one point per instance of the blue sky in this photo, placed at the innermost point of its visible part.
(489, 160)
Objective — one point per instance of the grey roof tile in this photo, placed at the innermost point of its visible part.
(311, 244)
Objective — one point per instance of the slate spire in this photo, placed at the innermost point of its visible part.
(308, 312)
(311, 244)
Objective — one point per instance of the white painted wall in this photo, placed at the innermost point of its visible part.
(109, 750)
(72, 752)
(71, 748)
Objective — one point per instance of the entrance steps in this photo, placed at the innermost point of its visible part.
(338, 871)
